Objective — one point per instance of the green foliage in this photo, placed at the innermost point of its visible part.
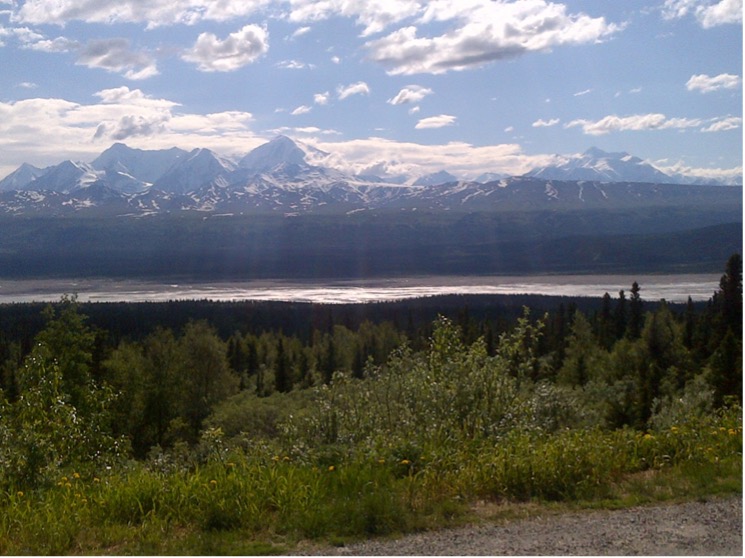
(61, 418)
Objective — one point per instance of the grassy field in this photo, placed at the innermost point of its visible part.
(257, 502)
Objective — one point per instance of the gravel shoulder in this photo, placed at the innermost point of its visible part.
(711, 528)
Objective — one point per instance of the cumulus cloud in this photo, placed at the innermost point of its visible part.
(321, 98)
(43, 131)
(707, 84)
(359, 88)
(154, 13)
(410, 94)
(115, 55)
(383, 155)
(540, 123)
(243, 47)
(636, 122)
(485, 31)
(373, 15)
(439, 121)
(707, 12)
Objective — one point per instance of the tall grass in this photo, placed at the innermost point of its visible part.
(265, 495)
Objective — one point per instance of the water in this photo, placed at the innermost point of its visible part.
(674, 288)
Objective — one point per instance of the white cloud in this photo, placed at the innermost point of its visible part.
(44, 131)
(243, 47)
(321, 98)
(485, 31)
(299, 32)
(709, 13)
(410, 94)
(27, 85)
(59, 44)
(294, 65)
(636, 122)
(540, 123)
(374, 15)
(439, 121)
(724, 124)
(721, 13)
(359, 88)
(154, 13)
(707, 84)
(114, 55)
(581, 93)
(302, 109)
(462, 159)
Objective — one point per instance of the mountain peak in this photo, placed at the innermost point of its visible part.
(279, 150)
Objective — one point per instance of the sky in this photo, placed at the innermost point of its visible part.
(385, 86)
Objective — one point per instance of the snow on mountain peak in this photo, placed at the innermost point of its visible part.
(280, 150)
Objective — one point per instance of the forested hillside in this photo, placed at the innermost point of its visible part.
(268, 431)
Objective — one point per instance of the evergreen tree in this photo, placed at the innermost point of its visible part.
(282, 375)
(725, 369)
(620, 315)
(636, 316)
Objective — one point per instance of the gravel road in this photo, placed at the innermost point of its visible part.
(710, 528)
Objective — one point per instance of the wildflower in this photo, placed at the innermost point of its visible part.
(68, 485)
(64, 479)
(96, 480)
(674, 429)
(332, 468)
(285, 458)
(275, 458)
(647, 437)
(381, 461)
(19, 494)
(76, 475)
(732, 432)
(231, 464)
(405, 462)
(213, 483)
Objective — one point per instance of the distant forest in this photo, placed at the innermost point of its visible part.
(372, 244)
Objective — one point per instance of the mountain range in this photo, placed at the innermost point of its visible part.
(280, 177)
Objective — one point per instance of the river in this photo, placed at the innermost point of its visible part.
(673, 288)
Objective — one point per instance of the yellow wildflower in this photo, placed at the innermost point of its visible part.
(647, 437)
(96, 480)
(64, 479)
(19, 494)
(381, 461)
(76, 475)
(213, 483)
(332, 468)
(405, 462)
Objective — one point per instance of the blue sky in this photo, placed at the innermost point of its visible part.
(470, 86)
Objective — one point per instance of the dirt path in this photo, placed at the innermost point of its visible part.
(696, 528)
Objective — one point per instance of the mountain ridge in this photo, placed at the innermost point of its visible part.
(279, 176)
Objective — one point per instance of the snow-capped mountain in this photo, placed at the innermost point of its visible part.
(144, 166)
(283, 176)
(65, 177)
(21, 177)
(197, 169)
(599, 165)
(440, 177)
